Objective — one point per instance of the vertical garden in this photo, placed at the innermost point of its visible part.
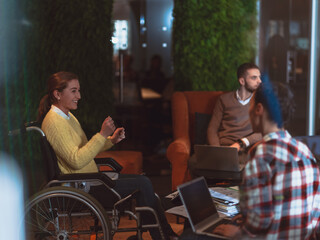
(39, 38)
(211, 38)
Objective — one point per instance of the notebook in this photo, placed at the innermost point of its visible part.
(202, 213)
(217, 158)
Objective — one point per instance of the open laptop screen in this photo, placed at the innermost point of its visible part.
(197, 199)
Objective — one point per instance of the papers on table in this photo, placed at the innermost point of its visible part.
(228, 194)
(181, 211)
(172, 195)
(178, 210)
(226, 200)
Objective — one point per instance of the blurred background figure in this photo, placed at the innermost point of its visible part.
(129, 77)
(129, 74)
(11, 200)
(154, 78)
(276, 59)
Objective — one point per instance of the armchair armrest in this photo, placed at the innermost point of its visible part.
(178, 153)
(180, 146)
(110, 162)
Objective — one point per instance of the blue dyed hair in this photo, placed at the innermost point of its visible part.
(266, 96)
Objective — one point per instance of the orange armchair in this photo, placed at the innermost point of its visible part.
(184, 107)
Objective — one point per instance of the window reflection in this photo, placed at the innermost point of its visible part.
(143, 70)
(285, 51)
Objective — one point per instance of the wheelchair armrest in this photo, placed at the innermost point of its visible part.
(110, 162)
(87, 176)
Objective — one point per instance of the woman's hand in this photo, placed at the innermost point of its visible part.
(107, 127)
(118, 135)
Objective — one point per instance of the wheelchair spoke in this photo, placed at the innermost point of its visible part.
(65, 216)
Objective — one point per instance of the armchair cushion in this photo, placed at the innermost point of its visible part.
(201, 124)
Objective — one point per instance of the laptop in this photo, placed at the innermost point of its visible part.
(201, 210)
(217, 158)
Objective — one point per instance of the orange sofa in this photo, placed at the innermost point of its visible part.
(184, 107)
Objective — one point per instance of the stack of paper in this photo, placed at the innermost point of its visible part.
(226, 200)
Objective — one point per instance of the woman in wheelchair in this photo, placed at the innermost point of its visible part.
(76, 153)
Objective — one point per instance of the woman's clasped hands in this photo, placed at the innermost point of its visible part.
(108, 128)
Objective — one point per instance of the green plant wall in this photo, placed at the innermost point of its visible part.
(39, 38)
(75, 36)
(211, 38)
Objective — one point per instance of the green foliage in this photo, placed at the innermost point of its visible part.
(211, 38)
(75, 36)
(55, 35)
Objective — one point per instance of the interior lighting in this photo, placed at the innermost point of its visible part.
(120, 35)
(114, 40)
(142, 20)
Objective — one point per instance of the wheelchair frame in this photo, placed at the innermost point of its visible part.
(64, 209)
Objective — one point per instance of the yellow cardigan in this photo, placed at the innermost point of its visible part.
(74, 152)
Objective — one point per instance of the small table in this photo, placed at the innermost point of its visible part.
(220, 178)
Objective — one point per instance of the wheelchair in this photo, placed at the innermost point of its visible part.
(64, 209)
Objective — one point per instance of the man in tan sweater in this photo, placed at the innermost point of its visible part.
(230, 124)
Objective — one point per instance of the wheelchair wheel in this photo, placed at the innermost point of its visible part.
(65, 213)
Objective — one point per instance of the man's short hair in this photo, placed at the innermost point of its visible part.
(243, 68)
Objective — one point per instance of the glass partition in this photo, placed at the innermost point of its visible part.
(284, 52)
(143, 70)
(317, 72)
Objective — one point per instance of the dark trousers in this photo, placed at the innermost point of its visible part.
(126, 184)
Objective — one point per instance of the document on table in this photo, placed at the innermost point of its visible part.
(172, 195)
(181, 211)
(230, 194)
(178, 210)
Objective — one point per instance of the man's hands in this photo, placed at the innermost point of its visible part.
(236, 145)
(227, 230)
(240, 145)
(230, 230)
(109, 129)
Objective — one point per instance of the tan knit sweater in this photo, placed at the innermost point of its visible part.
(74, 152)
(231, 121)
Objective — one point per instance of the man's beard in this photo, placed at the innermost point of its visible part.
(248, 88)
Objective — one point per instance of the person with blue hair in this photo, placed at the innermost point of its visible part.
(280, 194)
